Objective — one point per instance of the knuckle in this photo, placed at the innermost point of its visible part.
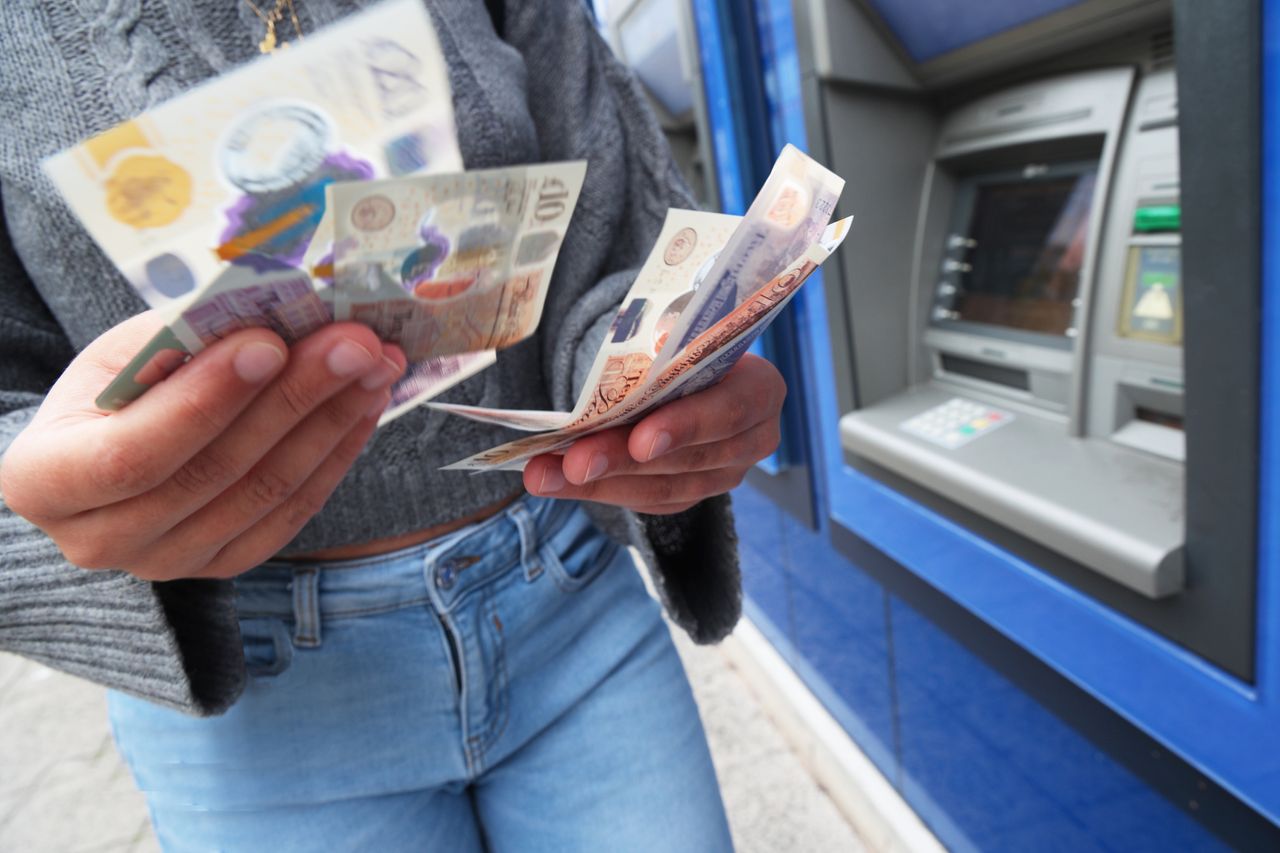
(265, 488)
(13, 489)
(764, 398)
(663, 490)
(699, 457)
(336, 414)
(198, 415)
(298, 397)
(302, 508)
(349, 450)
(123, 467)
(738, 414)
(88, 553)
(153, 571)
(201, 473)
(766, 441)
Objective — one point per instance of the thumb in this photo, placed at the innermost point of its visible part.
(100, 362)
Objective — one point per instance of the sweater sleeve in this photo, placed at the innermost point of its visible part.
(596, 112)
(108, 627)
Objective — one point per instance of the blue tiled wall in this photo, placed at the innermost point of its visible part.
(982, 762)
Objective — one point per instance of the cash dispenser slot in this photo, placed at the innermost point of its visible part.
(1049, 327)
(1009, 377)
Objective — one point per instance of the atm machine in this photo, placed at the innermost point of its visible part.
(1046, 384)
(1036, 384)
(1020, 354)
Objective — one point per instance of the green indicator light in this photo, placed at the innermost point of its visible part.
(1161, 217)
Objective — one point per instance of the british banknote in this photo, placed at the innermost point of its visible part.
(454, 263)
(213, 204)
(703, 362)
(426, 379)
(233, 172)
(785, 218)
(652, 307)
(442, 265)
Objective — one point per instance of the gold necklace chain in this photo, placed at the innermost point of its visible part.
(271, 40)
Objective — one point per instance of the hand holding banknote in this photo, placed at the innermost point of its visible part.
(688, 450)
(678, 295)
(215, 469)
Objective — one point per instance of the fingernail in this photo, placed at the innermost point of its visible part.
(348, 357)
(379, 406)
(661, 444)
(256, 361)
(596, 467)
(552, 481)
(384, 375)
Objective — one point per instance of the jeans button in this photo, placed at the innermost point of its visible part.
(452, 567)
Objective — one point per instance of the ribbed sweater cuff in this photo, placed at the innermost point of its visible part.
(108, 627)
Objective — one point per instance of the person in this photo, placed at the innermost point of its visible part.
(315, 638)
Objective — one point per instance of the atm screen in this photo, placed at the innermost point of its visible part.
(1024, 245)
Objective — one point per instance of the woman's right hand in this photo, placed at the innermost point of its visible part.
(216, 467)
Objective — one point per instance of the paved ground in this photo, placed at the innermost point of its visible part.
(64, 790)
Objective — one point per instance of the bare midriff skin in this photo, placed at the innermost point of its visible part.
(404, 540)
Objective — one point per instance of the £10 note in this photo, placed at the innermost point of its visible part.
(446, 264)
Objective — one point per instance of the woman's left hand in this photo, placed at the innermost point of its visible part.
(679, 454)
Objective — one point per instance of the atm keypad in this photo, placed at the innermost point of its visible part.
(956, 422)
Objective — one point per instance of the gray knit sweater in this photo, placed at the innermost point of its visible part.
(545, 88)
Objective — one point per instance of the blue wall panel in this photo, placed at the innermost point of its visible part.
(840, 631)
(764, 572)
(984, 764)
(989, 767)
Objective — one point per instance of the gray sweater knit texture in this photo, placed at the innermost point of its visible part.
(546, 88)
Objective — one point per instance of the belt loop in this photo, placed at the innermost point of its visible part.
(306, 607)
(529, 558)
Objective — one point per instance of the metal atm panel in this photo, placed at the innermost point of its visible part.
(1013, 339)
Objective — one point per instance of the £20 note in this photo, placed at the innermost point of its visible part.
(234, 171)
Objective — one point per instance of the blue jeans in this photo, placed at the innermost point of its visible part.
(509, 686)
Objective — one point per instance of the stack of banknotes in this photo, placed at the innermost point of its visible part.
(333, 193)
(709, 288)
(340, 196)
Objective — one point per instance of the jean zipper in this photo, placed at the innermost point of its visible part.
(455, 653)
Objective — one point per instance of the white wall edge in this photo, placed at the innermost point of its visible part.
(878, 813)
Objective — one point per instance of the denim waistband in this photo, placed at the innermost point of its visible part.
(441, 570)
